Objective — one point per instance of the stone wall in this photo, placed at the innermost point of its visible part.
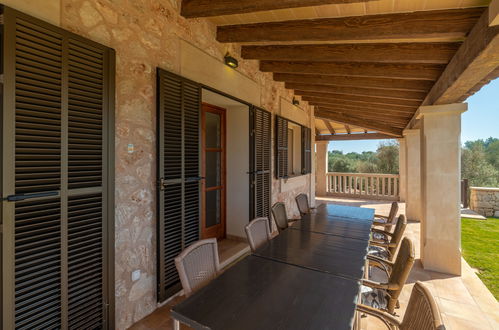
(147, 34)
(485, 201)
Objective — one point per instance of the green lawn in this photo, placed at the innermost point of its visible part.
(480, 244)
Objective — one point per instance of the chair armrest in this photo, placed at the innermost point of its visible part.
(380, 216)
(379, 285)
(390, 321)
(380, 260)
(384, 224)
(380, 263)
(382, 232)
(385, 245)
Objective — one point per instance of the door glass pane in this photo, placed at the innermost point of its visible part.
(212, 129)
(212, 208)
(213, 169)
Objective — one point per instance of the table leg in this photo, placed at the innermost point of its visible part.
(176, 325)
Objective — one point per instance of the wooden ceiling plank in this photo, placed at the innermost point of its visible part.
(352, 137)
(398, 116)
(329, 127)
(398, 122)
(451, 23)
(352, 81)
(391, 108)
(381, 70)
(356, 121)
(475, 64)
(433, 53)
(367, 99)
(208, 8)
(394, 94)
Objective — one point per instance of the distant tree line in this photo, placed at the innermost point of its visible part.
(384, 160)
(480, 162)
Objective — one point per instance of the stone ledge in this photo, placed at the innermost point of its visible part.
(484, 189)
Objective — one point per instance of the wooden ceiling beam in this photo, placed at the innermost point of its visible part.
(475, 64)
(320, 101)
(352, 81)
(380, 70)
(329, 127)
(347, 128)
(359, 122)
(360, 111)
(354, 136)
(452, 23)
(385, 93)
(367, 99)
(396, 122)
(208, 8)
(433, 53)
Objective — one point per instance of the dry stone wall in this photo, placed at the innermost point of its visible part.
(485, 201)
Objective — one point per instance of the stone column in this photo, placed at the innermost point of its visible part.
(402, 170)
(440, 187)
(413, 175)
(321, 167)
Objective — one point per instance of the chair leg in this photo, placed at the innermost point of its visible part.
(176, 325)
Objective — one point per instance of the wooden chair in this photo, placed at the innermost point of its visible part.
(258, 232)
(303, 205)
(198, 264)
(387, 221)
(422, 312)
(384, 296)
(384, 244)
(280, 216)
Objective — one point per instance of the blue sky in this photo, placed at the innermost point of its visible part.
(481, 121)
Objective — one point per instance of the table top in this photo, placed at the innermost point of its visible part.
(344, 211)
(258, 293)
(327, 253)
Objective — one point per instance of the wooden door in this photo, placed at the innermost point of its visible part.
(213, 182)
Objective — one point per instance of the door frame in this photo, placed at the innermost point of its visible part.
(219, 231)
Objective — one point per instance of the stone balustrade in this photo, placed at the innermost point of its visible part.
(363, 185)
(485, 201)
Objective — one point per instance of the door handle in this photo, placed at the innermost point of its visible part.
(22, 197)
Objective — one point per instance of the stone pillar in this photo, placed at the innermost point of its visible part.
(321, 167)
(413, 174)
(440, 187)
(402, 170)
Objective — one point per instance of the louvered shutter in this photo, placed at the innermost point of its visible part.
(57, 157)
(306, 148)
(179, 102)
(260, 162)
(281, 147)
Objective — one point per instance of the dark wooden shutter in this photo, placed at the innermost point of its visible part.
(178, 104)
(57, 159)
(306, 149)
(281, 134)
(260, 162)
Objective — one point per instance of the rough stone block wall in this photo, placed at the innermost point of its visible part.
(485, 201)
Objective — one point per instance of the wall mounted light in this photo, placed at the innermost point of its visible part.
(296, 102)
(231, 61)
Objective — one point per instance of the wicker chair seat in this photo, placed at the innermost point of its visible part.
(374, 297)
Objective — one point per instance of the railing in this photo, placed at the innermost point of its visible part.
(363, 185)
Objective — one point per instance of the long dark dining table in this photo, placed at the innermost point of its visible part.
(308, 277)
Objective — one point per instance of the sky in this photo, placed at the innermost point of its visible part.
(481, 121)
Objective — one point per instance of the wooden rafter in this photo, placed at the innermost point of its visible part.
(380, 70)
(433, 53)
(393, 109)
(356, 121)
(329, 127)
(367, 99)
(347, 128)
(354, 136)
(317, 132)
(402, 117)
(207, 8)
(453, 23)
(357, 82)
(475, 63)
(394, 94)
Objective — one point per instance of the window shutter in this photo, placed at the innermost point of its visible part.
(260, 162)
(58, 135)
(281, 147)
(306, 156)
(179, 102)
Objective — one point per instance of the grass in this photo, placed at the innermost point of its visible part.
(480, 245)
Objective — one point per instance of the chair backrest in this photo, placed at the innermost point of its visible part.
(393, 213)
(258, 232)
(280, 216)
(302, 202)
(422, 312)
(400, 271)
(398, 233)
(198, 264)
